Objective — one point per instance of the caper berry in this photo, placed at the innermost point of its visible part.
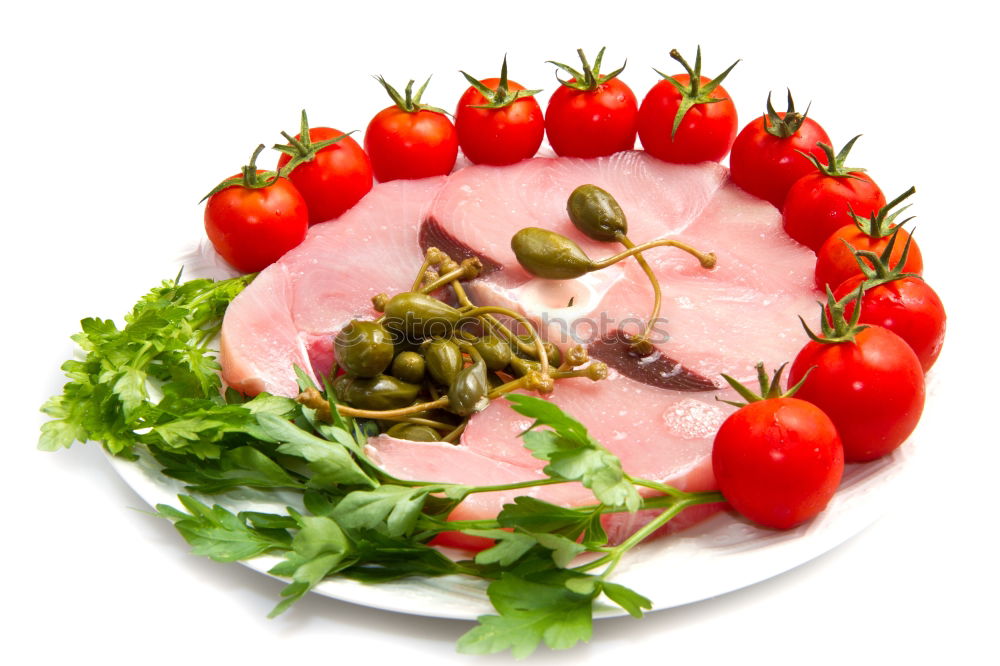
(549, 255)
(409, 366)
(420, 316)
(596, 213)
(414, 432)
(363, 348)
(519, 367)
(467, 394)
(444, 360)
(379, 393)
(495, 351)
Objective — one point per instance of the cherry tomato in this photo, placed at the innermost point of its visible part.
(871, 387)
(778, 461)
(821, 202)
(255, 218)
(688, 118)
(498, 121)
(908, 307)
(835, 260)
(590, 114)
(766, 160)
(331, 172)
(409, 139)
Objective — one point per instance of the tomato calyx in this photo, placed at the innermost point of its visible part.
(880, 272)
(502, 96)
(590, 78)
(835, 327)
(249, 177)
(409, 102)
(303, 149)
(883, 223)
(834, 166)
(785, 126)
(694, 92)
(770, 388)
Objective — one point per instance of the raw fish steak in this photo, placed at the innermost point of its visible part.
(659, 414)
(290, 312)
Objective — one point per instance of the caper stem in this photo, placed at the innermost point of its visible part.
(707, 260)
(391, 414)
(456, 432)
(451, 276)
(543, 357)
(657, 293)
(420, 273)
(491, 321)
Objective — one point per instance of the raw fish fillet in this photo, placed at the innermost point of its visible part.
(659, 435)
(480, 207)
(291, 311)
(660, 419)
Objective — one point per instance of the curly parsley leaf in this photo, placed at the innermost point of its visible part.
(163, 344)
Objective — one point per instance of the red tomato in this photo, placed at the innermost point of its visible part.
(330, 179)
(872, 388)
(835, 261)
(778, 461)
(696, 123)
(255, 219)
(510, 130)
(409, 139)
(590, 114)
(765, 159)
(821, 202)
(908, 307)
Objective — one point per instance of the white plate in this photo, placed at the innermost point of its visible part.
(722, 554)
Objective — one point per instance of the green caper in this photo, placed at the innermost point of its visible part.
(382, 392)
(467, 394)
(553, 353)
(596, 213)
(409, 366)
(495, 351)
(420, 316)
(363, 348)
(444, 360)
(414, 432)
(519, 367)
(549, 255)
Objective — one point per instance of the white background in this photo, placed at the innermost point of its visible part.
(117, 118)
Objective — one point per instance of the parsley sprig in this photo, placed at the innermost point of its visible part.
(153, 386)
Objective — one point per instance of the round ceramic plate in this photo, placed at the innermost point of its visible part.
(722, 554)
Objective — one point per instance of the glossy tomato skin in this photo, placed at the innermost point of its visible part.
(908, 307)
(778, 461)
(335, 179)
(410, 145)
(500, 136)
(767, 166)
(705, 134)
(872, 389)
(251, 228)
(591, 123)
(817, 205)
(835, 262)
